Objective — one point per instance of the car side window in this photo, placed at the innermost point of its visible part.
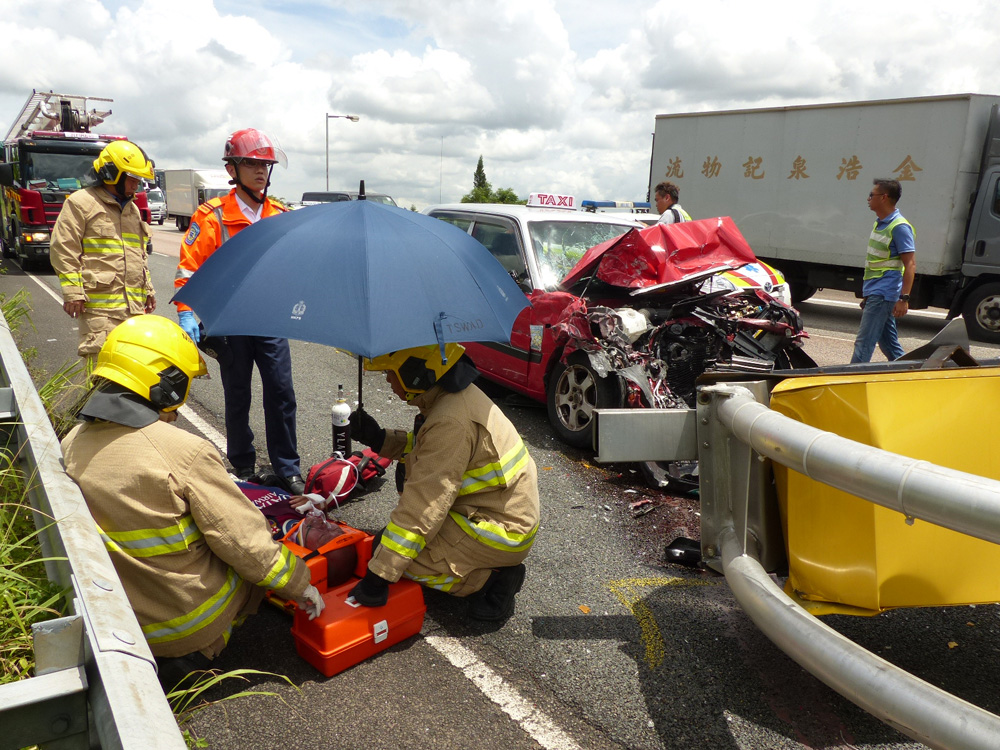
(459, 221)
(500, 240)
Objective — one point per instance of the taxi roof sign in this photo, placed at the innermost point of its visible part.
(551, 200)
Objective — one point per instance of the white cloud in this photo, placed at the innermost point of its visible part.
(554, 94)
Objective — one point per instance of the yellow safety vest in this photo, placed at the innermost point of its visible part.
(879, 260)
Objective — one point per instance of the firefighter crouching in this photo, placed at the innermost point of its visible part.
(468, 506)
(99, 248)
(193, 553)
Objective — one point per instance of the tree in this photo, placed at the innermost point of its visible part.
(482, 191)
(479, 180)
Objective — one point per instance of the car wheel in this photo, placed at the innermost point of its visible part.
(801, 291)
(160, 222)
(982, 313)
(574, 391)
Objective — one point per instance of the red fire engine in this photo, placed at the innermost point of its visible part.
(47, 154)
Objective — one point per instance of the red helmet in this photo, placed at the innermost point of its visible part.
(251, 143)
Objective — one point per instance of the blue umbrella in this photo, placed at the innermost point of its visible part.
(357, 275)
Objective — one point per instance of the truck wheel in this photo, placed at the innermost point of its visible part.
(801, 291)
(182, 223)
(982, 313)
(160, 222)
(574, 391)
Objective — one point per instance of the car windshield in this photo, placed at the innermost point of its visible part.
(154, 196)
(65, 171)
(559, 245)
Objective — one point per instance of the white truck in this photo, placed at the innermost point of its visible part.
(186, 189)
(795, 180)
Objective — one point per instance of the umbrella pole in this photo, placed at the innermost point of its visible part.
(360, 373)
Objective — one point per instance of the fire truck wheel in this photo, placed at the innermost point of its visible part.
(574, 391)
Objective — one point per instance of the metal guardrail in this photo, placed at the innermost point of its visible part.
(952, 499)
(95, 683)
(730, 433)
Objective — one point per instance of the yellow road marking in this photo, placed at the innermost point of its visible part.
(629, 591)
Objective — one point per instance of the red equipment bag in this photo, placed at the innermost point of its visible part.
(342, 477)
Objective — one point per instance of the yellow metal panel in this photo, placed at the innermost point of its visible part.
(847, 551)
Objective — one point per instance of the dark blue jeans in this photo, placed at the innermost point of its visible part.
(877, 327)
(274, 362)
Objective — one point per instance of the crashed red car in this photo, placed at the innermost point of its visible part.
(630, 324)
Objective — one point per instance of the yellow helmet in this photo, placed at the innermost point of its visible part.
(122, 157)
(153, 357)
(420, 367)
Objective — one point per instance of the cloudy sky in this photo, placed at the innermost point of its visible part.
(556, 95)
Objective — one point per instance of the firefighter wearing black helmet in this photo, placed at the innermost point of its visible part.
(468, 506)
(99, 248)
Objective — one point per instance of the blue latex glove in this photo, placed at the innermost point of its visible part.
(188, 322)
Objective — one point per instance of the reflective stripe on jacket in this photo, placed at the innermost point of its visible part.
(99, 253)
(183, 539)
(213, 223)
(880, 259)
(468, 469)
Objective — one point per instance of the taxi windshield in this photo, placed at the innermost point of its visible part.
(559, 245)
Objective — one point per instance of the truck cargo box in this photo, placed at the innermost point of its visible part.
(796, 179)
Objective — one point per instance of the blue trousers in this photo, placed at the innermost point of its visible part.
(274, 362)
(877, 327)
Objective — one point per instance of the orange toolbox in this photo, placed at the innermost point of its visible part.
(347, 633)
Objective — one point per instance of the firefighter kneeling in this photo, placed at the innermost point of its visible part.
(468, 506)
(193, 554)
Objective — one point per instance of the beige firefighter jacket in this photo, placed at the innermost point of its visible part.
(470, 500)
(187, 545)
(99, 252)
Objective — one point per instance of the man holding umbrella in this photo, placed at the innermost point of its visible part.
(468, 506)
(250, 156)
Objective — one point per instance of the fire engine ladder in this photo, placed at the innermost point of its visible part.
(44, 111)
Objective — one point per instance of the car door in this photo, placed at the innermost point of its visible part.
(504, 362)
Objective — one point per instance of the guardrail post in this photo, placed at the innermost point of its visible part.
(736, 486)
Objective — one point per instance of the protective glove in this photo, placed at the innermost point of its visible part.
(312, 501)
(187, 321)
(372, 591)
(366, 430)
(311, 601)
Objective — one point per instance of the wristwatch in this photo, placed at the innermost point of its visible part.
(904, 298)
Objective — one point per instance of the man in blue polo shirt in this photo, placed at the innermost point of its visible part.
(889, 271)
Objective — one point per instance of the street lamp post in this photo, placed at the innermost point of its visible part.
(352, 118)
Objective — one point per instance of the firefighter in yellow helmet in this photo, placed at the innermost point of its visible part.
(193, 554)
(99, 248)
(468, 505)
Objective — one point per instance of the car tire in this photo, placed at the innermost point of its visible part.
(573, 392)
(801, 291)
(160, 222)
(981, 311)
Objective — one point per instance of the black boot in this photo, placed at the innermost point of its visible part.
(495, 601)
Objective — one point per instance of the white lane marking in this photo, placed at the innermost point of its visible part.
(532, 720)
(855, 305)
(44, 286)
(204, 427)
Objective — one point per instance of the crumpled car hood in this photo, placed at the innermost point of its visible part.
(665, 254)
